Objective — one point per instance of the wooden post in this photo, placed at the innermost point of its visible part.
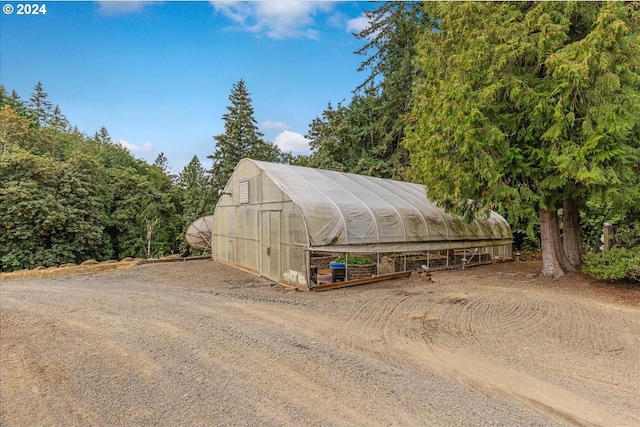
(606, 232)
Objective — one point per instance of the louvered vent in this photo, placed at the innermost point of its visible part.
(244, 191)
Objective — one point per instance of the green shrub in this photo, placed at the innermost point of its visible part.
(355, 260)
(616, 264)
(627, 235)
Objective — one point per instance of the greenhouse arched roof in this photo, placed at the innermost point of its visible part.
(349, 212)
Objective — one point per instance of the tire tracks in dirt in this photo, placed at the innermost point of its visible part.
(455, 335)
(188, 344)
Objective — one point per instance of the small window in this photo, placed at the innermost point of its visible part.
(244, 191)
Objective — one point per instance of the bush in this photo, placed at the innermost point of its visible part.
(627, 235)
(617, 264)
(355, 260)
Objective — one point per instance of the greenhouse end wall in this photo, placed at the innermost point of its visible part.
(258, 228)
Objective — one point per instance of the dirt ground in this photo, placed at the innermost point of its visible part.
(200, 344)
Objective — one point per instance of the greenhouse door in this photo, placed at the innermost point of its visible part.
(270, 245)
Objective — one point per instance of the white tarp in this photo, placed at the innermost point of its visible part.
(198, 234)
(343, 210)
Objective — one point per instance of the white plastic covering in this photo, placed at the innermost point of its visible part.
(198, 234)
(343, 211)
(271, 218)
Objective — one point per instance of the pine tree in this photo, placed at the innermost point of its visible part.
(40, 106)
(162, 163)
(197, 200)
(389, 49)
(58, 121)
(241, 138)
(102, 136)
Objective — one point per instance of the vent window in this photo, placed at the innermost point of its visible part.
(244, 191)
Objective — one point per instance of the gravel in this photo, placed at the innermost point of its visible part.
(201, 344)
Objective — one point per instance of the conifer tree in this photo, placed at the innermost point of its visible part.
(531, 108)
(197, 200)
(58, 121)
(241, 138)
(162, 163)
(102, 136)
(365, 135)
(14, 101)
(40, 105)
(384, 99)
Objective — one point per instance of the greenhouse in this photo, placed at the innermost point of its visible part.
(290, 223)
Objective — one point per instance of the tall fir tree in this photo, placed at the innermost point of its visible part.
(102, 136)
(196, 196)
(365, 136)
(58, 120)
(40, 105)
(162, 163)
(389, 48)
(241, 138)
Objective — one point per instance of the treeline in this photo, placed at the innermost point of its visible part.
(530, 109)
(66, 197)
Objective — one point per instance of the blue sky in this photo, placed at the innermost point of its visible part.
(158, 74)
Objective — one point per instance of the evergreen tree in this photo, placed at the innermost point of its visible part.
(162, 163)
(390, 38)
(241, 138)
(40, 105)
(196, 196)
(328, 140)
(14, 101)
(58, 120)
(193, 175)
(365, 136)
(529, 108)
(102, 136)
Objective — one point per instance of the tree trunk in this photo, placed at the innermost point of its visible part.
(571, 238)
(151, 224)
(551, 245)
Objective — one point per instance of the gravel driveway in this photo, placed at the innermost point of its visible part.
(201, 344)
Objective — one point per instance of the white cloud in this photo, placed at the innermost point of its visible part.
(271, 125)
(358, 24)
(293, 142)
(235, 11)
(277, 19)
(147, 147)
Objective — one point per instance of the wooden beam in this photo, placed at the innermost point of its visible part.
(364, 281)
